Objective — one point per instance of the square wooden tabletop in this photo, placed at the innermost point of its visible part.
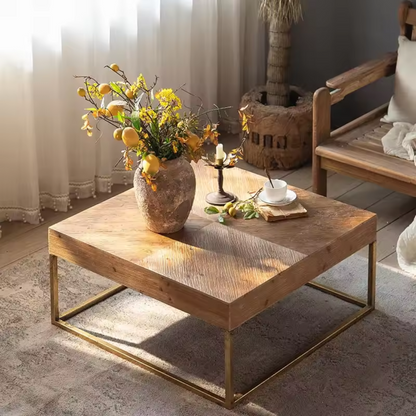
(223, 274)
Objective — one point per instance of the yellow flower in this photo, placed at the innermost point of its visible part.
(99, 112)
(175, 147)
(181, 139)
(128, 163)
(87, 125)
(93, 90)
(211, 133)
(149, 179)
(168, 98)
(166, 116)
(193, 141)
(147, 114)
(141, 82)
(245, 119)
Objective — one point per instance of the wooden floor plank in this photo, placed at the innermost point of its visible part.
(24, 245)
(15, 228)
(391, 208)
(388, 236)
(339, 185)
(365, 195)
(30, 238)
(302, 177)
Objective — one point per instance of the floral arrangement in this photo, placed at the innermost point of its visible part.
(150, 123)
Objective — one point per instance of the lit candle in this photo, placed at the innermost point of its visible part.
(219, 152)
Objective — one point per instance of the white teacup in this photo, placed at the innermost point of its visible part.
(277, 193)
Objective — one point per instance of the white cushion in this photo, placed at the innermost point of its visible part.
(403, 103)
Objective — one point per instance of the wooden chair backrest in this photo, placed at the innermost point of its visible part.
(407, 19)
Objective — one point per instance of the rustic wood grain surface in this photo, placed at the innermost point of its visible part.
(221, 262)
(222, 274)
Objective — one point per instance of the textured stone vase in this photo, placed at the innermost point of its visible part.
(166, 210)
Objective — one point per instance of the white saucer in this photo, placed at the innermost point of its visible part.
(290, 197)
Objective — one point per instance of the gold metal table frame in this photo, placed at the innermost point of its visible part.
(231, 398)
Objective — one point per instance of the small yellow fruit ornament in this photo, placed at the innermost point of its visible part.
(130, 94)
(114, 67)
(104, 89)
(130, 137)
(151, 164)
(228, 205)
(117, 134)
(232, 212)
(116, 107)
(81, 92)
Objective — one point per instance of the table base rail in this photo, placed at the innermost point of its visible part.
(231, 398)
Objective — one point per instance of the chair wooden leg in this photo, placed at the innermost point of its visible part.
(321, 133)
(319, 177)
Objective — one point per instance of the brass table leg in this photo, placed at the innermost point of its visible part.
(372, 264)
(53, 264)
(229, 370)
(230, 399)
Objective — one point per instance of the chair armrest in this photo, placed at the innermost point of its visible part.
(362, 75)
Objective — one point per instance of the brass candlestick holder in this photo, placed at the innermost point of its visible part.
(220, 197)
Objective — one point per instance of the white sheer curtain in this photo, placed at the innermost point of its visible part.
(215, 47)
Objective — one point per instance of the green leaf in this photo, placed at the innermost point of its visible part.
(135, 120)
(221, 219)
(250, 215)
(120, 117)
(116, 88)
(154, 128)
(211, 210)
(257, 215)
(91, 109)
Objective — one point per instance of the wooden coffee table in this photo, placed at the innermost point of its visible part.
(224, 275)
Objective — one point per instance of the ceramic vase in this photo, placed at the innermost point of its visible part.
(166, 210)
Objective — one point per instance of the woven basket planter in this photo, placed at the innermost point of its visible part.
(280, 137)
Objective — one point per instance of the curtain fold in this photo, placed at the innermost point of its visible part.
(215, 48)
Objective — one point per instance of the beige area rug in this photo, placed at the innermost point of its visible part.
(368, 370)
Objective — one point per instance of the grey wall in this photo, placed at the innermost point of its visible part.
(337, 35)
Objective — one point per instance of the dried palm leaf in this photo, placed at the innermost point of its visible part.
(289, 11)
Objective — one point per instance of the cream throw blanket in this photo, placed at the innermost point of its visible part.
(400, 141)
(406, 249)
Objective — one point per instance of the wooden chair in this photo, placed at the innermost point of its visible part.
(355, 149)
